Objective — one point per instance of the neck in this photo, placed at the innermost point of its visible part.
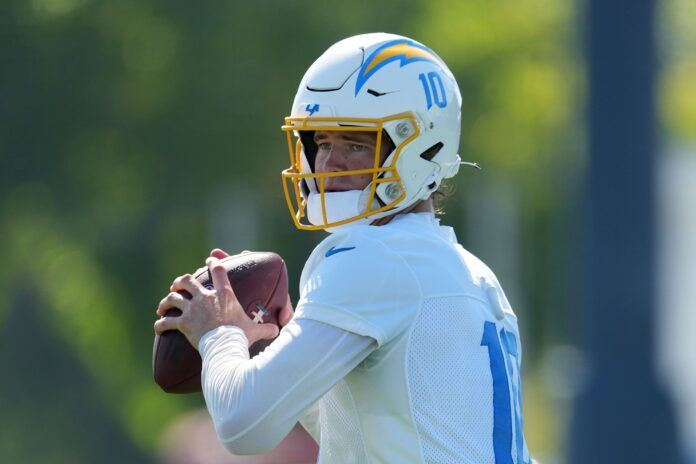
(422, 206)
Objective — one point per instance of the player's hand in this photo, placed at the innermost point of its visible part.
(208, 309)
(285, 315)
(220, 254)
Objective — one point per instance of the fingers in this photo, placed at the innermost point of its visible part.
(218, 275)
(221, 254)
(172, 300)
(167, 323)
(285, 316)
(188, 283)
(218, 253)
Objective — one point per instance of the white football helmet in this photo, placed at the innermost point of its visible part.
(383, 83)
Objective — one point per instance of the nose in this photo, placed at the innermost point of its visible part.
(332, 161)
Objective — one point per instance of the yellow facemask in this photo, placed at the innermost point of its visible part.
(296, 194)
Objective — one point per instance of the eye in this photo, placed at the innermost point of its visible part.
(324, 146)
(356, 147)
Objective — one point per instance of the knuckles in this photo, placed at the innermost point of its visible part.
(218, 266)
(162, 325)
(177, 283)
(164, 302)
(170, 299)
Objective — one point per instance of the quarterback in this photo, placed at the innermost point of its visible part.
(403, 347)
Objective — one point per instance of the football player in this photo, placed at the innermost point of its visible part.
(403, 347)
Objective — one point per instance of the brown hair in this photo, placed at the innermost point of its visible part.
(439, 196)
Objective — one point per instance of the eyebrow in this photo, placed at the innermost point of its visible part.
(351, 137)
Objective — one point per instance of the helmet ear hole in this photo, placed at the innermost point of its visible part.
(430, 153)
(389, 144)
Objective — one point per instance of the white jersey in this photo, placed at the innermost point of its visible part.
(443, 384)
(403, 349)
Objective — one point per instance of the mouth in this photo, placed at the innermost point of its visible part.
(334, 186)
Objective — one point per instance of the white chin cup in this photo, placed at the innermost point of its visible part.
(339, 207)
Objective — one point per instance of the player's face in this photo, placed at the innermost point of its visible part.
(339, 151)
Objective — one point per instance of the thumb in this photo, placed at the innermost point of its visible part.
(218, 253)
(267, 331)
(285, 316)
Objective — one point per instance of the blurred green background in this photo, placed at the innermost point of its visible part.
(137, 135)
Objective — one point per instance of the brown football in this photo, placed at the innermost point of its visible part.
(260, 281)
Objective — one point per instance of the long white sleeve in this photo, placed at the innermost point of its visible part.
(255, 402)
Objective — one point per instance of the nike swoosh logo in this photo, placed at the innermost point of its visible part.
(333, 250)
(378, 94)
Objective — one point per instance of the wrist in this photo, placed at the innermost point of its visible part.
(219, 332)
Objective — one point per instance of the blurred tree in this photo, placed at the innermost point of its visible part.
(677, 43)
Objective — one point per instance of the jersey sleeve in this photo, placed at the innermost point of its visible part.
(254, 403)
(358, 284)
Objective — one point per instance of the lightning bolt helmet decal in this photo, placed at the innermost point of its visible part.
(404, 50)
